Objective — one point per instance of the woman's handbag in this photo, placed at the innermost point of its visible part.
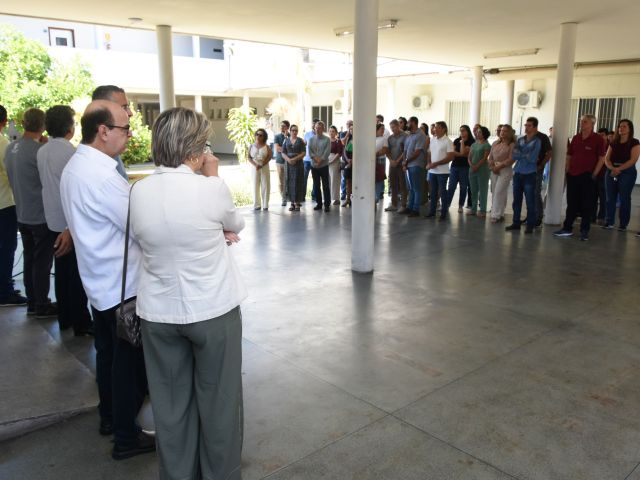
(127, 321)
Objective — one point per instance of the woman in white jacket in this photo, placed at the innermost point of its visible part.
(189, 294)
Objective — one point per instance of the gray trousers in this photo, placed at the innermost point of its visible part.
(195, 384)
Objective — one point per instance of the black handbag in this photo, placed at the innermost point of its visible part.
(127, 321)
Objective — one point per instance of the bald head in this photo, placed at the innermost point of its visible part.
(105, 127)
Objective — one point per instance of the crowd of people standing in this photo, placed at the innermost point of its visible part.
(422, 165)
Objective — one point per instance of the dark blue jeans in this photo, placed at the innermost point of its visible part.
(8, 245)
(438, 187)
(121, 377)
(415, 175)
(458, 175)
(622, 186)
(524, 184)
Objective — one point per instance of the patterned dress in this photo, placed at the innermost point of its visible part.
(294, 174)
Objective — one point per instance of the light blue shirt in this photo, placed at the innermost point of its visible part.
(525, 154)
(308, 136)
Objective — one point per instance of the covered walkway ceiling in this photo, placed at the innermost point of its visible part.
(438, 31)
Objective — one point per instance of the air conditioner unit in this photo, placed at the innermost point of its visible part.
(421, 102)
(529, 99)
(338, 105)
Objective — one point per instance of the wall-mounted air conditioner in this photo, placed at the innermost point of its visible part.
(421, 102)
(529, 99)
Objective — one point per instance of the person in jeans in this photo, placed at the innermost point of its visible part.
(52, 158)
(95, 199)
(442, 153)
(500, 162)
(620, 179)
(397, 181)
(319, 149)
(189, 297)
(413, 162)
(525, 155)
(278, 142)
(37, 240)
(459, 172)
(308, 164)
(382, 148)
(9, 297)
(585, 159)
(479, 172)
(543, 159)
(334, 164)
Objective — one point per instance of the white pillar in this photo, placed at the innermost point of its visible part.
(195, 45)
(365, 52)
(507, 102)
(562, 108)
(197, 103)
(165, 64)
(476, 96)
(245, 100)
(391, 101)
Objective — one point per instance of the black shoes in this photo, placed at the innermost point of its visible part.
(528, 229)
(106, 427)
(318, 207)
(327, 208)
(48, 311)
(512, 227)
(143, 444)
(14, 300)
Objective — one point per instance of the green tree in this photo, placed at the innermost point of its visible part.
(241, 126)
(29, 77)
(139, 147)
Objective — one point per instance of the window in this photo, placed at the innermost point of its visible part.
(608, 111)
(458, 114)
(61, 37)
(324, 113)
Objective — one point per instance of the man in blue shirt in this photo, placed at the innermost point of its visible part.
(307, 158)
(525, 155)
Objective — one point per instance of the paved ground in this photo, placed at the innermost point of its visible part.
(468, 354)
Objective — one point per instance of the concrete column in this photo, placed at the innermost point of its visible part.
(476, 96)
(245, 100)
(507, 102)
(165, 64)
(197, 103)
(561, 110)
(195, 46)
(365, 52)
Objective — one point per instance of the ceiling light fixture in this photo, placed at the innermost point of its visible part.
(134, 20)
(382, 25)
(512, 53)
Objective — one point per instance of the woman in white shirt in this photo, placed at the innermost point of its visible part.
(189, 294)
(259, 156)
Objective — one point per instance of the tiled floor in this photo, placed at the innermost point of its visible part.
(470, 353)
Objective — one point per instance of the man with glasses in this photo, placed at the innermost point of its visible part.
(525, 155)
(95, 201)
(117, 95)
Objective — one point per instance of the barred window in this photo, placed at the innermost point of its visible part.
(608, 111)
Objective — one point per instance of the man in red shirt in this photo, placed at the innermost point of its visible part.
(585, 158)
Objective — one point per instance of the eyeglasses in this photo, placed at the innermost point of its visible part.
(126, 128)
(207, 148)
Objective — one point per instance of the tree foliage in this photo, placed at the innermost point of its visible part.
(139, 147)
(30, 77)
(242, 125)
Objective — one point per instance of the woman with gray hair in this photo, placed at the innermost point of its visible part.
(189, 294)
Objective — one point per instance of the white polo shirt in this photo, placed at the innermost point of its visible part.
(95, 200)
(439, 147)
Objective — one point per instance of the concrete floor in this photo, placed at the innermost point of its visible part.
(470, 353)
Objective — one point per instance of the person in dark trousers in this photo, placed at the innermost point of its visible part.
(600, 200)
(319, 150)
(585, 159)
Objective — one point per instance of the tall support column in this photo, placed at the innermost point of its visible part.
(165, 64)
(507, 102)
(365, 53)
(197, 103)
(476, 96)
(562, 107)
